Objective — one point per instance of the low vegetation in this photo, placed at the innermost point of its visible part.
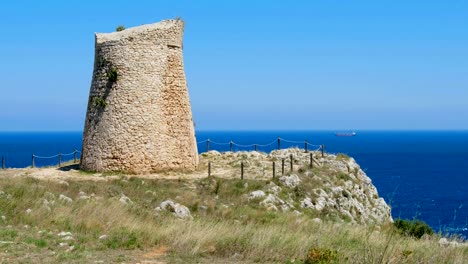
(99, 102)
(39, 225)
(120, 28)
(49, 215)
(414, 228)
(320, 255)
(112, 75)
(342, 156)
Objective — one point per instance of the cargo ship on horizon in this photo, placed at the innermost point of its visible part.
(345, 134)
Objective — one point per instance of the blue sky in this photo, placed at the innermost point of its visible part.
(252, 64)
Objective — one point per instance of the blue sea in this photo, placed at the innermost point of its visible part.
(421, 174)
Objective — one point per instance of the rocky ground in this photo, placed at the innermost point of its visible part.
(66, 215)
(335, 185)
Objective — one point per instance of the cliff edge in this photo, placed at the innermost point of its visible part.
(334, 188)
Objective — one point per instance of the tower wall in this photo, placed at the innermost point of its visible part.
(139, 117)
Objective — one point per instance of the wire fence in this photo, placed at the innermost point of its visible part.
(219, 146)
(61, 157)
(276, 144)
(284, 161)
(208, 144)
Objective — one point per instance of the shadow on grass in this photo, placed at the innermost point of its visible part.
(69, 167)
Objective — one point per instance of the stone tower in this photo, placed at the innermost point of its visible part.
(139, 117)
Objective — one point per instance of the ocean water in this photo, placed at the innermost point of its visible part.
(18, 147)
(421, 174)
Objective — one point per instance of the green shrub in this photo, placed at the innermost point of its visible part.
(120, 28)
(343, 176)
(415, 228)
(101, 61)
(6, 234)
(123, 238)
(299, 192)
(321, 256)
(100, 102)
(406, 253)
(41, 243)
(112, 74)
(342, 156)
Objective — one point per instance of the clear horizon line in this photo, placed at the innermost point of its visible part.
(262, 130)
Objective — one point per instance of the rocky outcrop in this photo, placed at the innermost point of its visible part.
(335, 188)
(139, 117)
(339, 187)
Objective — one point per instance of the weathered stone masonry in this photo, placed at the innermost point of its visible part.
(139, 117)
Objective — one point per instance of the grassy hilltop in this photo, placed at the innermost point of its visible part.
(50, 215)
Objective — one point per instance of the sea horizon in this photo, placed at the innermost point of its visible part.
(270, 130)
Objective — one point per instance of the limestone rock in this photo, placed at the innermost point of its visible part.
(307, 203)
(82, 196)
(256, 194)
(290, 181)
(445, 243)
(296, 212)
(272, 202)
(273, 188)
(67, 238)
(125, 200)
(346, 191)
(65, 199)
(213, 153)
(178, 210)
(64, 234)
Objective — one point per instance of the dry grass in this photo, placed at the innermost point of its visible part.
(226, 227)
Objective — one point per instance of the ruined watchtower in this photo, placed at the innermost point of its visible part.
(139, 117)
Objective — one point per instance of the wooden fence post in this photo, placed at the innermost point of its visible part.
(230, 146)
(242, 170)
(291, 162)
(255, 146)
(282, 167)
(60, 160)
(207, 145)
(279, 146)
(311, 160)
(209, 168)
(74, 156)
(3, 162)
(323, 150)
(32, 163)
(306, 144)
(273, 169)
